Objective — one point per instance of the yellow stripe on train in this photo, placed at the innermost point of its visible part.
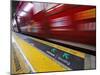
(87, 14)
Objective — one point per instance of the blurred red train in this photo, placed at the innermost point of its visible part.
(68, 22)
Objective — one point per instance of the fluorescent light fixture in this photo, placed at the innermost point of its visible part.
(38, 7)
(59, 5)
(28, 7)
(55, 7)
(50, 5)
(18, 19)
(22, 13)
(14, 22)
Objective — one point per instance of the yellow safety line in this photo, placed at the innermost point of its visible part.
(39, 61)
(71, 51)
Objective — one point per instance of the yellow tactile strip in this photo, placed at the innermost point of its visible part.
(39, 61)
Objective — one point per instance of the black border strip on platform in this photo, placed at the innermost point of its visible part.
(88, 51)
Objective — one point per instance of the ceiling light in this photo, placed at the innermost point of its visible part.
(28, 7)
(22, 14)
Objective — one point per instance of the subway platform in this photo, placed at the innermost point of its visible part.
(33, 55)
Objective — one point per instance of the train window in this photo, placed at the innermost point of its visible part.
(24, 28)
(35, 27)
(62, 21)
(59, 24)
(34, 30)
(87, 26)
